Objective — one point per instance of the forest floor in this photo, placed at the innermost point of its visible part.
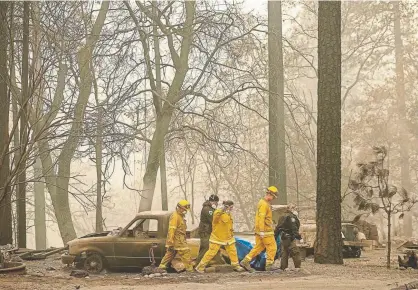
(367, 272)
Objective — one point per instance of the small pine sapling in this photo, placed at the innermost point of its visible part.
(372, 192)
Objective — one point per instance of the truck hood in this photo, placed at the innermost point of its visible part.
(102, 234)
(94, 237)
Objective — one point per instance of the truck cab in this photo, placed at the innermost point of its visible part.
(140, 243)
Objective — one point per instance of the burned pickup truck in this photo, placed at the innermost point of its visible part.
(139, 244)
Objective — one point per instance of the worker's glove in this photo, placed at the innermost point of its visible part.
(301, 241)
(261, 234)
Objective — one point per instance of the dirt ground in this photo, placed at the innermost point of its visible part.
(367, 272)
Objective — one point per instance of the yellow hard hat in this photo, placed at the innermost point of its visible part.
(272, 190)
(184, 204)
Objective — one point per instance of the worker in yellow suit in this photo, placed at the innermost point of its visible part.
(222, 235)
(176, 238)
(264, 232)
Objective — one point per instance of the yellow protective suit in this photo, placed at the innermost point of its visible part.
(222, 228)
(264, 219)
(264, 234)
(176, 242)
(222, 235)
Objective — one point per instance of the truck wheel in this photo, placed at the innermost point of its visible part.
(346, 252)
(94, 263)
(357, 253)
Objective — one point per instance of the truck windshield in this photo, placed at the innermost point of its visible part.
(149, 225)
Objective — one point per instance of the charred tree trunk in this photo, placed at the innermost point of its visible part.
(6, 235)
(277, 148)
(400, 92)
(328, 249)
(21, 186)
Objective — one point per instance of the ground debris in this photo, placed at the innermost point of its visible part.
(79, 273)
(408, 286)
(40, 254)
(220, 269)
(370, 272)
(149, 270)
(16, 259)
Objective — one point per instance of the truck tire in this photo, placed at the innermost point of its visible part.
(357, 252)
(94, 263)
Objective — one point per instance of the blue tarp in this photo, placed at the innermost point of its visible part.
(259, 263)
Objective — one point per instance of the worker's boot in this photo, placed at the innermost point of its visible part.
(246, 265)
(238, 268)
(189, 268)
(200, 269)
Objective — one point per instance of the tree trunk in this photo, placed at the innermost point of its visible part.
(164, 118)
(277, 136)
(163, 173)
(21, 186)
(58, 183)
(40, 220)
(99, 149)
(38, 90)
(389, 244)
(15, 99)
(6, 235)
(153, 162)
(192, 179)
(400, 92)
(158, 84)
(328, 249)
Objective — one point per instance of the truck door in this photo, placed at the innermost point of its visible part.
(133, 248)
(153, 241)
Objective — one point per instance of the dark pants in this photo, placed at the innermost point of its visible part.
(289, 248)
(204, 247)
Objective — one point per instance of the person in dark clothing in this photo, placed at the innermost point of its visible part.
(288, 229)
(205, 227)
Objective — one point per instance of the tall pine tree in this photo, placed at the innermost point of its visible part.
(6, 236)
(328, 248)
(277, 135)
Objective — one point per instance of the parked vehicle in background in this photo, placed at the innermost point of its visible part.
(352, 245)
